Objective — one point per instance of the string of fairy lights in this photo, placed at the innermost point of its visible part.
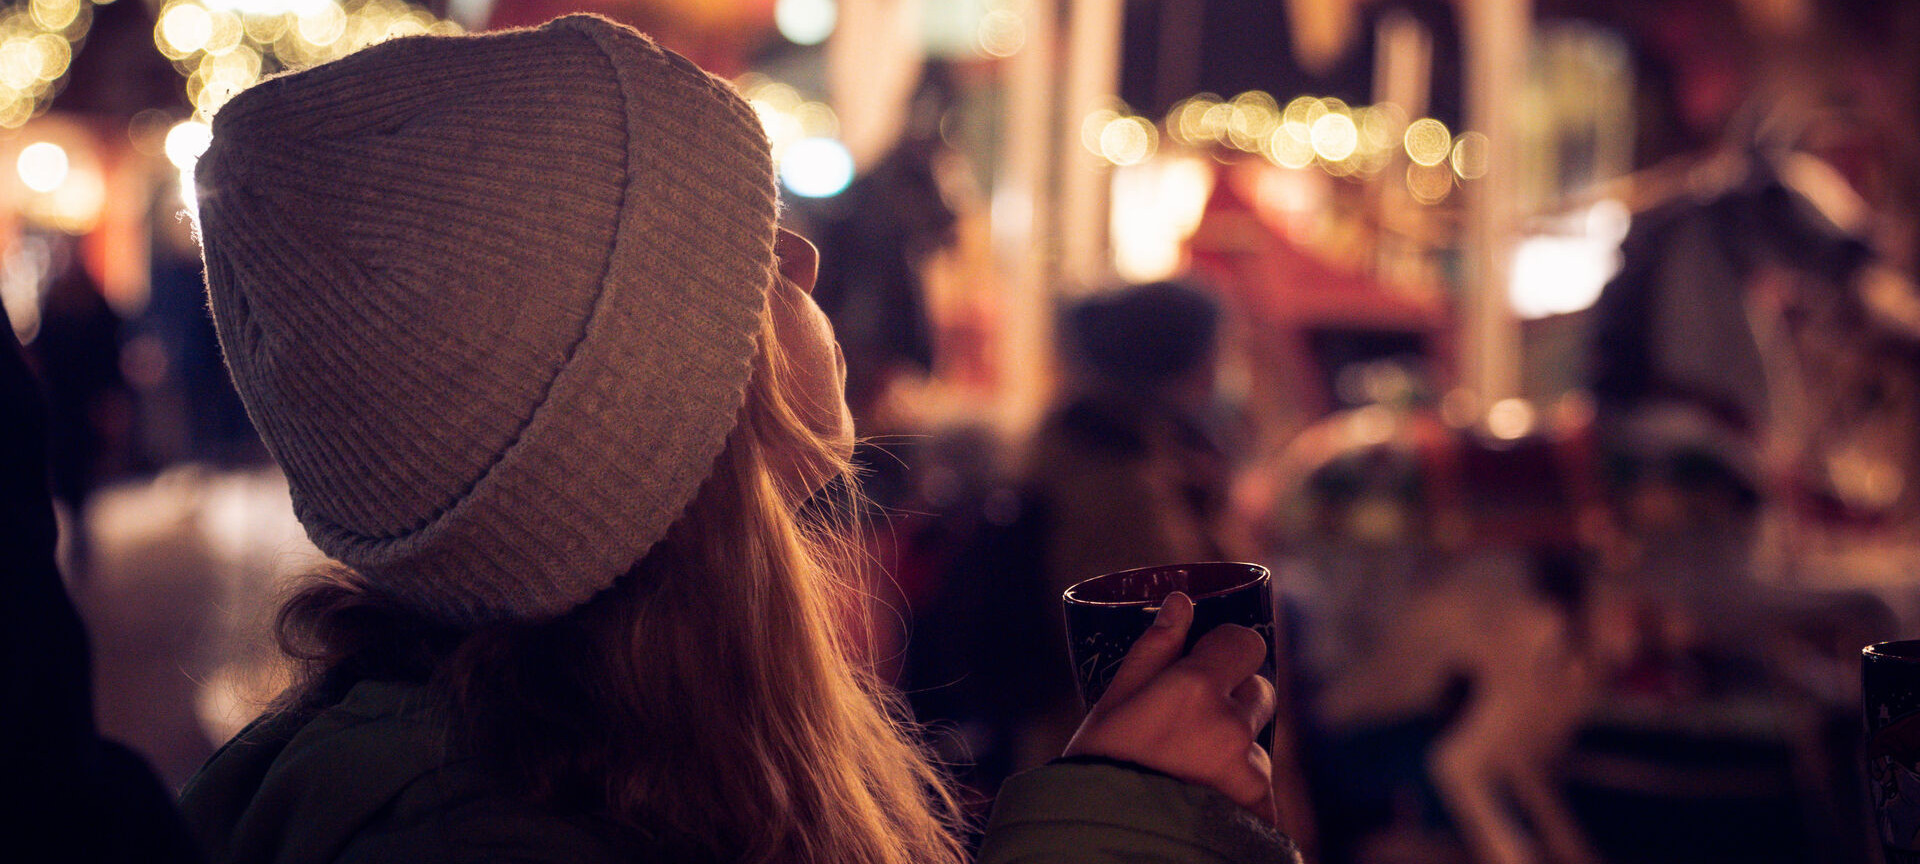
(37, 42)
(1340, 139)
(223, 47)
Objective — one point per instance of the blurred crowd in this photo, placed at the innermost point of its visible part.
(1580, 636)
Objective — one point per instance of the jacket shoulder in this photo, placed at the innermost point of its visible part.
(1095, 814)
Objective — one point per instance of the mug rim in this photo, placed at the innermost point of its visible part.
(1895, 650)
(1256, 573)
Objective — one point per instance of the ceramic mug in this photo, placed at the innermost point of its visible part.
(1890, 678)
(1107, 613)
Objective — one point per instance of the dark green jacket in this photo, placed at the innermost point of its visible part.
(368, 780)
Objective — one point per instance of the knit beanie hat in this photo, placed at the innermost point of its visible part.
(491, 301)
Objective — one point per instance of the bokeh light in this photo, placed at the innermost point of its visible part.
(19, 64)
(1002, 33)
(1251, 119)
(1302, 111)
(1554, 275)
(227, 33)
(1129, 140)
(1510, 419)
(1213, 123)
(1608, 221)
(1188, 122)
(1287, 148)
(15, 110)
(184, 144)
(1863, 480)
(1380, 126)
(42, 166)
(184, 28)
(806, 22)
(1428, 142)
(265, 29)
(769, 95)
(1429, 184)
(1371, 425)
(322, 26)
(1094, 125)
(55, 55)
(186, 141)
(1470, 155)
(1335, 137)
(55, 15)
(189, 195)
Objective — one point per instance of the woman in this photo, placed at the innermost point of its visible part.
(513, 313)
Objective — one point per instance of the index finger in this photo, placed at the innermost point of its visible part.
(1154, 651)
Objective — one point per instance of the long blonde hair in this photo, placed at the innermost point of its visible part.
(707, 702)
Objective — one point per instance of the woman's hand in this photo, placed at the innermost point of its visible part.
(1196, 717)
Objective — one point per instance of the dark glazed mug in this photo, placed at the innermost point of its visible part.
(1107, 613)
(1890, 679)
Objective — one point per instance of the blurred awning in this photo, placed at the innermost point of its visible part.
(720, 35)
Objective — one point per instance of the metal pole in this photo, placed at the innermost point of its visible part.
(1499, 36)
(1022, 223)
(1092, 76)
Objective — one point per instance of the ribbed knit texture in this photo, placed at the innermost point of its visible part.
(491, 301)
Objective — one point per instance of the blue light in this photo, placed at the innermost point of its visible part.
(816, 168)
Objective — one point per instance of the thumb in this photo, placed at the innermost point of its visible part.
(1154, 651)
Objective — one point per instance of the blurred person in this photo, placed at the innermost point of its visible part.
(191, 410)
(981, 660)
(77, 352)
(874, 239)
(1131, 463)
(1123, 471)
(514, 314)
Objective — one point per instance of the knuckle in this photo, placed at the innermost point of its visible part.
(1263, 693)
(1227, 719)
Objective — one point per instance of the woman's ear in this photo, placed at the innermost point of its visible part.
(799, 261)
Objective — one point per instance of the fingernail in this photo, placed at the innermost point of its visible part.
(1165, 617)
